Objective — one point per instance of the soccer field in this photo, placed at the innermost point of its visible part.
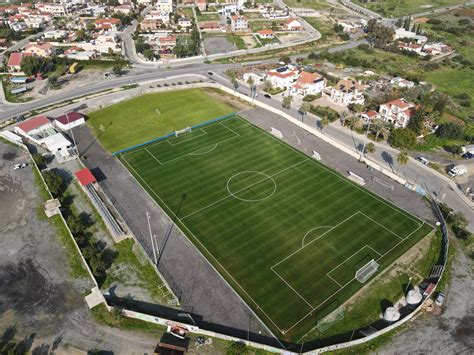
(286, 232)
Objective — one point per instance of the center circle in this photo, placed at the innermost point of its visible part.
(240, 184)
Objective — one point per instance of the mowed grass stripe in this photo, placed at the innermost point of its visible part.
(245, 239)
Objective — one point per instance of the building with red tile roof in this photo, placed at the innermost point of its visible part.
(33, 125)
(69, 120)
(85, 177)
(397, 112)
(15, 59)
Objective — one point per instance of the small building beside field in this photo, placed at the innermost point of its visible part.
(33, 125)
(69, 120)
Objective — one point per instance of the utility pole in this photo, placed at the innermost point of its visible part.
(366, 136)
(151, 237)
(72, 134)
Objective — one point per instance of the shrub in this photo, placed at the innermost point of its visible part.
(329, 113)
(309, 98)
(449, 130)
(402, 138)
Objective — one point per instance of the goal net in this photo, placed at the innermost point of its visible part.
(182, 131)
(366, 271)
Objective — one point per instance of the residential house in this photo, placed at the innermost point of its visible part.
(369, 115)
(15, 59)
(308, 84)
(158, 15)
(69, 120)
(397, 112)
(164, 6)
(81, 55)
(184, 22)
(282, 77)
(292, 24)
(40, 49)
(209, 26)
(34, 125)
(402, 83)
(166, 44)
(265, 34)
(410, 47)
(150, 25)
(437, 49)
(346, 92)
(123, 9)
(145, 2)
(56, 9)
(239, 23)
(401, 33)
(102, 44)
(108, 24)
(56, 34)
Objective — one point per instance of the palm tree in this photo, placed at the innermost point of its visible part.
(376, 127)
(385, 132)
(250, 81)
(323, 123)
(234, 82)
(304, 108)
(402, 159)
(369, 148)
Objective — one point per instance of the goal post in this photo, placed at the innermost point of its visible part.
(366, 271)
(182, 131)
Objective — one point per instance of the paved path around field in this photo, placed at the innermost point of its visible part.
(201, 290)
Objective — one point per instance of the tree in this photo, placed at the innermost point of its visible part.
(35, 64)
(117, 69)
(53, 81)
(236, 348)
(54, 182)
(267, 85)
(287, 100)
(417, 121)
(323, 123)
(402, 138)
(369, 148)
(449, 130)
(304, 108)
(76, 224)
(385, 132)
(285, 59)
(402, 159)
(148, 54)
(39, 160)
(378, 34)
(234, 82)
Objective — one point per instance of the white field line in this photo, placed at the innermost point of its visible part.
(153, 156)
(312, 229)
(388, 230)
(373, 195)
(350, 257)
(169, 140)
(311, 242)
(368, 246)
(347, 283)
(296, 292)
(230, 129)
(245, 188)
(198, 152)
(210, 254)
(333, 279)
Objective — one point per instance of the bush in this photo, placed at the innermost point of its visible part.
(329, 113)
(39, 160)
(54, 182)
(309, 98)
(402, 138)
(449, 130)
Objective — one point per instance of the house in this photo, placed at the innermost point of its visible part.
(397, 112)
(56, 34)
(265, 34)
(158, 15)
(33, 125)
(401, 33)
(40, 49)
(437, 49)
(164, 6)
(123, 9)
(102, 44)
(56, 144)
(256, 78)
(201, 4)
(402, 83)
(292, 24)
(308, 84)
(282, 77)
(81, 55)
(150, 24)
(55, 9)
(369, 115)
(184, 22)
(112, 24)
(346, 92)
(209, 26)
(145, 2)
(410, 47)
(239, 23)
(69, 120)
(166, 44)
(15, 59)
(18, 26)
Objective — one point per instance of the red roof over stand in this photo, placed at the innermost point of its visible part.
(85, 177)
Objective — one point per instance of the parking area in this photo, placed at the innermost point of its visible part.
(217, 44)
(39, 302)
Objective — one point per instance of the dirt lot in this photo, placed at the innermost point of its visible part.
(452, 332)
(217, 44)
(39, 302)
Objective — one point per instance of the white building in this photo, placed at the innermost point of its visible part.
(102, 44)
(34, 125)
(346, 92)
(282, 77)
(69, 120)
(239, 23)
(56, 144)
(402, 33)
(164, 5)
(56, 34)
(308, 84)
(397, 112)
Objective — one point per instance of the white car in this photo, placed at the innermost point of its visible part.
(20, 166)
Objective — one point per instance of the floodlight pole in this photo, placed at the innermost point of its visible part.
(72, 135)
(366, 135)
(409, 282)
(151, 237)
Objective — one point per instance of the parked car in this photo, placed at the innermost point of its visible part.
(440, 298)
(267, 96)
(20, 166)
(423, 161)
(468, 156)
(457, 170)
(210, 73)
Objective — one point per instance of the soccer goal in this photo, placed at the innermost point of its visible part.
(182, 131)
(366, 271)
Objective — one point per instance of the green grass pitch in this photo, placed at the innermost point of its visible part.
(285, 231)
(154, 115)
